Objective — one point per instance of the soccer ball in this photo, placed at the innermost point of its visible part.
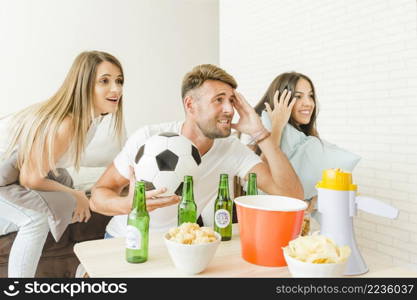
(164, 160)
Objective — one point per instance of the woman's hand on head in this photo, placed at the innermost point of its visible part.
(282, 111)
(82, 210)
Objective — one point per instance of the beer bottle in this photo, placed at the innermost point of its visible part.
(252, 188)
(223, 210)
(187, 209)
(137, 237)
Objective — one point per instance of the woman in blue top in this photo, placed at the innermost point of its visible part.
(290, 99)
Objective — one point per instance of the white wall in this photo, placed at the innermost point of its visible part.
(362, 58)
(157, 41)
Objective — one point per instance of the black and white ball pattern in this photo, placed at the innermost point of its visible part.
(164, 160)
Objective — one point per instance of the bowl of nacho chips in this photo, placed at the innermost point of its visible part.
(316, 256)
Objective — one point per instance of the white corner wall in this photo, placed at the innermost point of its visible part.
(157, 41)
(362, 58)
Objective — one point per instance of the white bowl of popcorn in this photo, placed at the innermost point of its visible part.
(316, 256)
(191, 247)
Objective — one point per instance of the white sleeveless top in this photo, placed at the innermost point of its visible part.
(66, 160)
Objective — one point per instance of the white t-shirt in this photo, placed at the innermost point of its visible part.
(227, 155)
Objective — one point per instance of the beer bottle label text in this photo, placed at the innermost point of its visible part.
(222, 218)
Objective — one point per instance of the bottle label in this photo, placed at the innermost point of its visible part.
(133, 238)
(222, 218)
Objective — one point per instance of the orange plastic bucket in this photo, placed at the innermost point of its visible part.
(267, 223)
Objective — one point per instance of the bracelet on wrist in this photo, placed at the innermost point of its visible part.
(260, 136)
(263, 137)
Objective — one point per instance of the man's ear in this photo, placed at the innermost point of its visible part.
(189, 104)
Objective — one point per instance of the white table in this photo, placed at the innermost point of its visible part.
(106, 258)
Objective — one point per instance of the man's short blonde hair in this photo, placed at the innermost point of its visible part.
(196, 77)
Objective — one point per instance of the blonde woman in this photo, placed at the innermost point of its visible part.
(53, 134)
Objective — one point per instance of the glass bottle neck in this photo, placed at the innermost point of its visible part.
(224, 187)
(252, 187)
(139, 199)
(187, 191)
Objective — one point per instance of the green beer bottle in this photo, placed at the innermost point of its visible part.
(252, 188)
(223, 210)
(137, 237)
(187, 209)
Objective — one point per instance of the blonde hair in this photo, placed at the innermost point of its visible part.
(196, 77)
(35, 126)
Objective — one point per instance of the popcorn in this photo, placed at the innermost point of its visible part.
(192, 234)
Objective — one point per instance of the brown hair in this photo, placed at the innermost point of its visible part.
(196, 77)
(289, 81)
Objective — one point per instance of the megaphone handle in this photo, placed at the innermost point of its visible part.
(376, 207)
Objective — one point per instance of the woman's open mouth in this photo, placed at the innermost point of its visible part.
(114, 100)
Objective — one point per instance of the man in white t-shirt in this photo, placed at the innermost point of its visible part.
(209, 100)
